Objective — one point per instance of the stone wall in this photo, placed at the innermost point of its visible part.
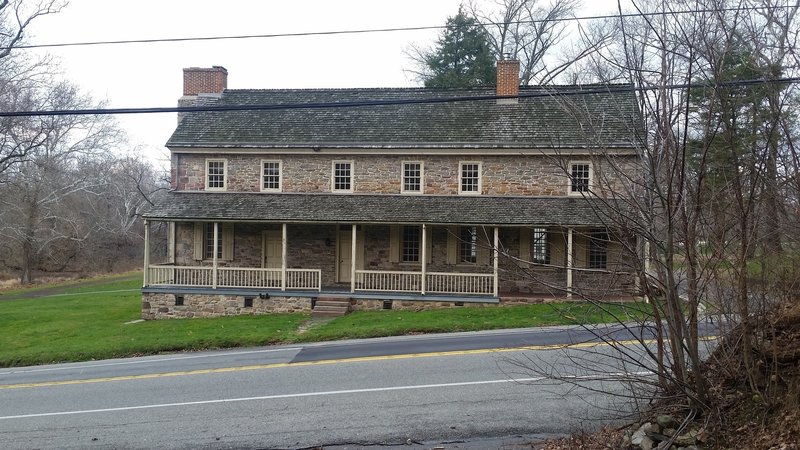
(522, 175)
(162, 306)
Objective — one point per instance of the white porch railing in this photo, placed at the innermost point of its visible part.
(460, 283)
(435, 282)
(388, 281)
(235, 277)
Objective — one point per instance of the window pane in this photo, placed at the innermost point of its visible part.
(580, 178)
(209, 242)
(216, 174)
(411, 244)
(272, 175)
(412, 177)
(341, 176)
(541, 255)
(598, 249)
(470, 175)
(468, 250)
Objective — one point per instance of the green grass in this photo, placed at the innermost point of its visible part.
(76, 283)
(365, 324)
(81, 327)
(86, 324)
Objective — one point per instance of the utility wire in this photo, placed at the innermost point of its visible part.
(384, 30)
(613, 89)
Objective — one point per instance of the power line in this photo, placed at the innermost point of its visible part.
(358, 104)
(383, 30)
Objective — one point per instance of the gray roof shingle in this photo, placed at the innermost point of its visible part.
(389, 209)
(551, 118)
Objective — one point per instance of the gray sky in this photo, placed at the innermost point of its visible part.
(150, 75)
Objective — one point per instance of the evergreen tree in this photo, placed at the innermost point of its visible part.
(462, 56)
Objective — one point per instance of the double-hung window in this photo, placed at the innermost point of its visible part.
(208, 241)
(469, 178)
(342, 179)
(468, 245)
(411, 240)
(412, 178)
(270, 175)
(598, 249)
(580, 176)
(216, 171)
(539, 247)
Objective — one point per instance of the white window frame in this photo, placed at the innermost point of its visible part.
(280, 175)
(224, 174)
(333, 175)
(468, 246)
(421, 178)
(404, 244)
(540, 248)
(570, 180)
(460, 177)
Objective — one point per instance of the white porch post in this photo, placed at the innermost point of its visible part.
(353, 260)
(569, 262)
(496, 260)
(283, 256)
(214, 259)
(424, 257)
(145, 281)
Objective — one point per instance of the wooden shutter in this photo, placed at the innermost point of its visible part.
(428, 244)
(199, 240)
(394, 243)
(227, 241)
(452, 245)
(484, 248)
(525, 247)
(171, 242)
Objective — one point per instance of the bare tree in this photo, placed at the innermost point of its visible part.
(43, 210)
(19, 75)
(531, 31)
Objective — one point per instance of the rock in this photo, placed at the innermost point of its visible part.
(647, 444)
(641, 433)
(688, 438)
(666, 421)
(626, 440)
(670, 431)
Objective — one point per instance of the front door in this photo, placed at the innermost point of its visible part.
(273, 249)
(345, 254)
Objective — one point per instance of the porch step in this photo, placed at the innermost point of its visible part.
(331, 307)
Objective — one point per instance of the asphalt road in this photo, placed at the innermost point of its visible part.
(426, 389)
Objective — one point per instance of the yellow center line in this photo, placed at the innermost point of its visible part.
(148, 376)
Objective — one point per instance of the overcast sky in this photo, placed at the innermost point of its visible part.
(150, 75)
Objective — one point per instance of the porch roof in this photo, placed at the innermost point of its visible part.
(382, 209)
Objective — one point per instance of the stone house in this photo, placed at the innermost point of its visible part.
(292, 199)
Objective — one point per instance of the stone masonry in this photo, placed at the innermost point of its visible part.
(163, 306)
(501, 175)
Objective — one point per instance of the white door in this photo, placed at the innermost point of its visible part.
(345, 251)
(273, 249)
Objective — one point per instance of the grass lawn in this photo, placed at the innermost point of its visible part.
(92, 322)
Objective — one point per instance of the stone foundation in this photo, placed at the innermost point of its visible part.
(163, 306)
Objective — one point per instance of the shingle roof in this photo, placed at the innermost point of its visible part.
(358, 208)
(552, 117)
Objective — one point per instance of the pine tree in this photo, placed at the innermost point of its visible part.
(462, 56)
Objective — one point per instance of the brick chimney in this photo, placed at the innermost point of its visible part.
(201, 81)
(507, 80)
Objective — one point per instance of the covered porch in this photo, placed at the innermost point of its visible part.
(347, 275)
(391, 247)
